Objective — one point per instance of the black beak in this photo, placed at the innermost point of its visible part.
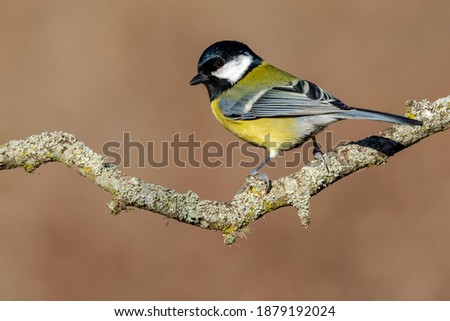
(198, 79)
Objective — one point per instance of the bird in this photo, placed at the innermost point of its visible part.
(268, 107)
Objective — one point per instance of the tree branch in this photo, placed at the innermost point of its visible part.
(254, 202)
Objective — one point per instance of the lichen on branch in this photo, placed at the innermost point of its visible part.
(254, 201)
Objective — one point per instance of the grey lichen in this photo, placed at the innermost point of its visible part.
(230, 218)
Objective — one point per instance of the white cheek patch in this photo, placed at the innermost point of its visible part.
(234, 69)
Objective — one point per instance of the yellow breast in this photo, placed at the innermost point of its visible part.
(274, 134)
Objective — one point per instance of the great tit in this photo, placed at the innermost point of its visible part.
(269, 107)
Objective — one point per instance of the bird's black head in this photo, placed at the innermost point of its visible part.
(223, 64)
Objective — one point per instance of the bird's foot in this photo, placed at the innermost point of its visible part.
(255, 179)
(318, 154)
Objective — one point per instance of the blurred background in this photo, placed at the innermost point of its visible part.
(100, 68)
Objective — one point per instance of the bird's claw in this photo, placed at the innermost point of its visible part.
(253, 179)
(318, 154)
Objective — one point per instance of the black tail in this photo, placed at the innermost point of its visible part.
(359, 113)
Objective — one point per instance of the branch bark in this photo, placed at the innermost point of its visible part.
(254, 202)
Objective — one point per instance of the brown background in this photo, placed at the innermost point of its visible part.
(100, 68)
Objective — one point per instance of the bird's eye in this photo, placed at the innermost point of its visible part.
(219, 63)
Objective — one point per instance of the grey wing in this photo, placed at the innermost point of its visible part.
(302, 99)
